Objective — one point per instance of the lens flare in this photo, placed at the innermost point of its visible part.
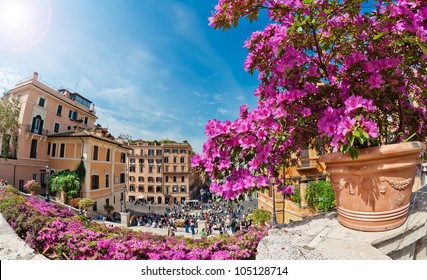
(23, 23)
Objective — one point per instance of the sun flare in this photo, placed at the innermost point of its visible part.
(23, 23)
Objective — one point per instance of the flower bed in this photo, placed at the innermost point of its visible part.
(58, 234)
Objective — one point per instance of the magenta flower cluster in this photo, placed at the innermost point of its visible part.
(58, 234)
(333, 75)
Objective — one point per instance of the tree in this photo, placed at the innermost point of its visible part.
(65, 181)
(333, 76)
(9, 125)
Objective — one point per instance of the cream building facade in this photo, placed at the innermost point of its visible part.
(57, 129)
(161, 173)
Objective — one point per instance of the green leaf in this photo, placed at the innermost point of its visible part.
(423, 47)
(308, 1)
(379, 35)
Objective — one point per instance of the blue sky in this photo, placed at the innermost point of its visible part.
(154, 69)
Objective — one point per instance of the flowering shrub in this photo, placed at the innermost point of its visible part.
(334, 75)
(55, 232)
(32, 185)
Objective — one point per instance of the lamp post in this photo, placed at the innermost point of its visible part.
(124, 198)
(273, 217)
(47, 182)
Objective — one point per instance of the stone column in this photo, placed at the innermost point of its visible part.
(125, 218)
(303, 188)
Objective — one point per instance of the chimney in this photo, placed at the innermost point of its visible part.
(35, 76)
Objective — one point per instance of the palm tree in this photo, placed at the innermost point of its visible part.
(66, 182)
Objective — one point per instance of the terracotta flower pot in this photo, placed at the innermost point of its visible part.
(373, 192)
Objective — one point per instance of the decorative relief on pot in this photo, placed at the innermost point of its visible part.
(400, 185)
(351, 190)
(341, 183)
(400, 200)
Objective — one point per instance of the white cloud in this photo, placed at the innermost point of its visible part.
(9, 77)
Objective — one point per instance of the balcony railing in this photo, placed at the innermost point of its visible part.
(30, 129)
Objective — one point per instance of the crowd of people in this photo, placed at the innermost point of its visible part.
(3, 182)
(216, 216)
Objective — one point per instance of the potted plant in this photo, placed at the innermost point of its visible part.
(109, 209)
(259, 216)
(346, 78)
(32, 186)
(85, 203)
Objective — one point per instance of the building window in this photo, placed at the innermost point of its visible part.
(150, 152)
(183, 188)
(95, 182)
(182, 160)
(48, 148)
(42, 101)
(174, 160)
(95, 207)
(107, 180)
(158, 153)
(159, 189)
(132, 169)
(150, 169)
(107, 157)
(175, 188)
(167, 178)
(140, 179)
(122, 178)
(33, 151)
(72, 115)
(86, 120)
(174, 151)
(59, 110)
(123, 157)
(182, 151)
(150, 189)
(150, 161)
(37, 125)
(56, 128)
(167, 151)
(158, 179)
(107, 201)
(150, 179)
(182, 179)
(132, 188)
(141, 161)
(159, 169)
(54, 150)
(132, 178)
(62, 150)
(95, 152)
(166, 160)
(174, 179)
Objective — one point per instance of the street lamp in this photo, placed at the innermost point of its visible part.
(47, 182)
(124, 198)
(273, 217)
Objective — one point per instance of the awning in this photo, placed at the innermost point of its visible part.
(141, 197)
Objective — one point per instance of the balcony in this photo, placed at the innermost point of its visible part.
(30, 129)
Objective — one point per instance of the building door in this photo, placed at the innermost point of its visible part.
(33, 151)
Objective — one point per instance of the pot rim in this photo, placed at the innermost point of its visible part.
(389, 150)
